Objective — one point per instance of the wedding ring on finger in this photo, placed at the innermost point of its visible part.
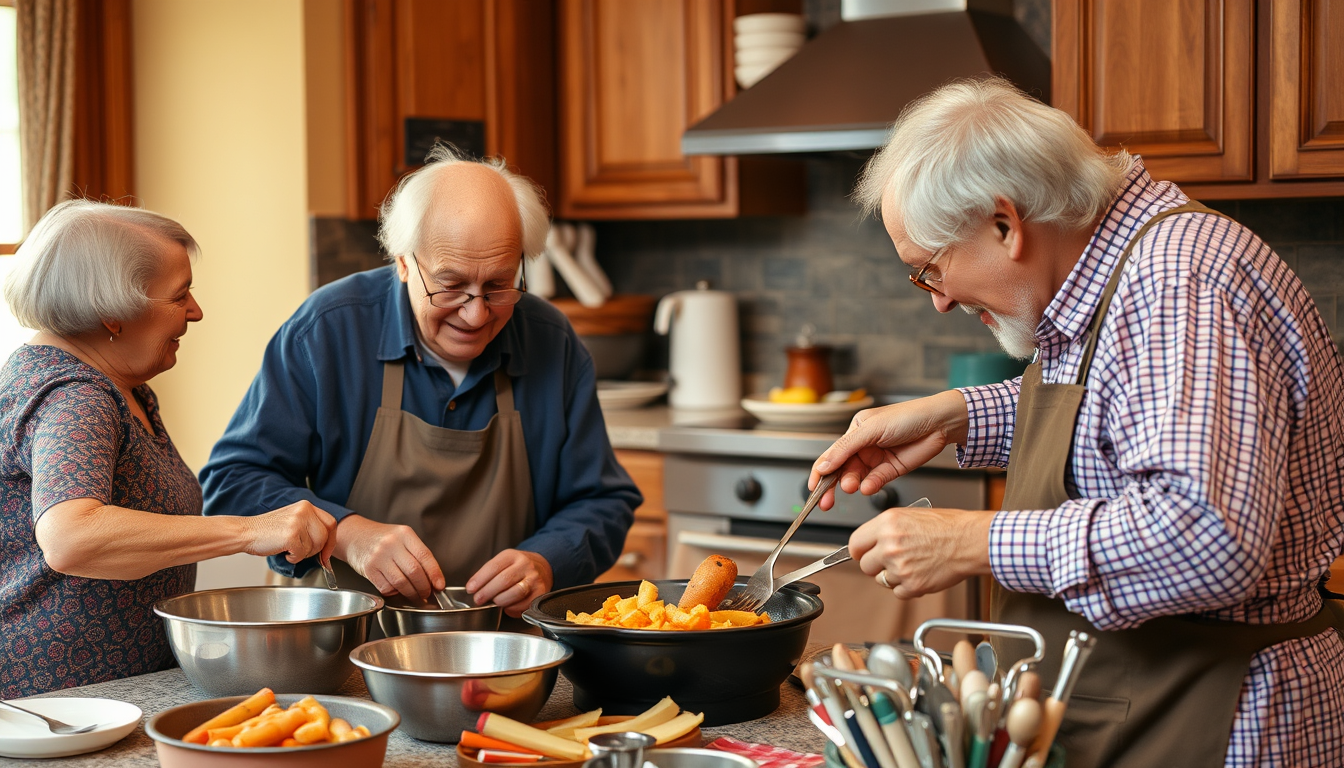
(523, 584)
(882, 579)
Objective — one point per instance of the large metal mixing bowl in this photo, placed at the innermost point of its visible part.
(442, 682)
(288, 639)
(401, 617)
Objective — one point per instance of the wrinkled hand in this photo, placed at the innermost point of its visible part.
(882, 444)
(512, 579)
(300, 529)
(919, 550)
(391, 557)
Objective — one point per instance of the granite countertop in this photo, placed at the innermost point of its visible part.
(786, 727)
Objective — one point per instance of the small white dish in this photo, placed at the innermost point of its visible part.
(26, 736)
(623, 395)
(769, 57)
(769, 22)
(769, 40)
(803, 414)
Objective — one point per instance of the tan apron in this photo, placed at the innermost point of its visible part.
(1164, 693)
(466, 494)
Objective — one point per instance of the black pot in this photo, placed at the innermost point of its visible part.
(731, 675)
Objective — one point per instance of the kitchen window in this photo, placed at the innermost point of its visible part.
(11, 210)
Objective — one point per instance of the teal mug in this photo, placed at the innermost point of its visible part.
(976, 368)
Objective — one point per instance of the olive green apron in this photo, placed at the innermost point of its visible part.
(466, 494)
(1164, 693)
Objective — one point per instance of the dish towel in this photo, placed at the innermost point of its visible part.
(766, 755)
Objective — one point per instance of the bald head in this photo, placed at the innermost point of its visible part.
(471, 203)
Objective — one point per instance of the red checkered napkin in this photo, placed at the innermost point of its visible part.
(766, 755)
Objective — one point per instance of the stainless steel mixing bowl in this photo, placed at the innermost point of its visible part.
(442, 682)
(400, 617)
(288, 639)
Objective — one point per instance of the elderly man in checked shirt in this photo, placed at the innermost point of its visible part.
(1175, 453)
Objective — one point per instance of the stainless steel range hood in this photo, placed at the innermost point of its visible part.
(844, 88)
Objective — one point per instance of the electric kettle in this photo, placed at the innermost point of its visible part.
(704, 363)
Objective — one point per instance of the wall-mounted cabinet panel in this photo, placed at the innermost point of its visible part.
(634, 74)
(1169, 79)
(1305, 89)
(480, 73)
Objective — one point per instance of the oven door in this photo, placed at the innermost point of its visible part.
(857, 609)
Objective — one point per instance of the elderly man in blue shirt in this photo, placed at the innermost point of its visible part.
(446, 419)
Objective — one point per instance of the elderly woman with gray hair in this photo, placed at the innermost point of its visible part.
(99, 516)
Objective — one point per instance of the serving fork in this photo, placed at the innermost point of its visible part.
(761, 585)
(748, 600)
(54, 725)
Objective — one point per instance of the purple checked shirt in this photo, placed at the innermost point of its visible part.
(1207, 472)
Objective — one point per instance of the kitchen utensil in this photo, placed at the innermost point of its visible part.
(328, 573)
(1024, 722)
(982, 627)
(540, 276)
(762, 583)
(448, 601)
(53, 725)
(862, 747)
(400, 616)
(731, 675)
(884, 712)
(559, 245)
(925, 740)
(952, 725)
(442, 681)
(169, 726)
(863, 713)
(803, 415)
(585, 253)
(837, 557)
(1076, 650)
(243, 639)
(831, 703)
(973, 704)
(987, 661)
(24, 736)
(704, 361)
(621, 750)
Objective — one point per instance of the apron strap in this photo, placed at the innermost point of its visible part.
(503, 391)
(394, 373)
(1094, 331)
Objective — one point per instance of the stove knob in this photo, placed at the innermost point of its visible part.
(884, 499)
(748, 489)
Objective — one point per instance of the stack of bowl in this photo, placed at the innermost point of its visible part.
(615, 333)
(764, 41)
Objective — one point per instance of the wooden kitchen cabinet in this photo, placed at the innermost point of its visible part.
(1229, 98)
(633, 75)
(645, 553)
(489, 62)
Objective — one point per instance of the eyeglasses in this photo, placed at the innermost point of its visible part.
(923, 278)
(502, 297)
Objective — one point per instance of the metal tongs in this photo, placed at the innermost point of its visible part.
(762, 583)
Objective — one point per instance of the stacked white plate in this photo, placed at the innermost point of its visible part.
(764, 41)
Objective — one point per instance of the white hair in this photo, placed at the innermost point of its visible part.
(85, 262)
(953, 151)
(403, 212)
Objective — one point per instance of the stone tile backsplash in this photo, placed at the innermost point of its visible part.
(841, 275)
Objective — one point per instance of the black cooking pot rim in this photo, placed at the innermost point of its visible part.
(534, 615)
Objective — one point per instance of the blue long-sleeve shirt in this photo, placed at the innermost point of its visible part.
(301, 430)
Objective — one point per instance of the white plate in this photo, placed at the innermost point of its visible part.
(803, 414)
(620, 395)
(769, 22)
(25, 736)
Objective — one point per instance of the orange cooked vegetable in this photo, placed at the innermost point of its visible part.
(245, 710)
(710, 583)
(646, 611)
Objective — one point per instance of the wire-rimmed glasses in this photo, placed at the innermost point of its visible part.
(453, 299)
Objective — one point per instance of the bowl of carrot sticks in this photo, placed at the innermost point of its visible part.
(268, 729)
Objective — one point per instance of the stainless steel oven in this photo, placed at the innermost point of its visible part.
(733, 491)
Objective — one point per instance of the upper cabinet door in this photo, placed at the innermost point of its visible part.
(634, 74)
(1171, 80)
(1306, 88)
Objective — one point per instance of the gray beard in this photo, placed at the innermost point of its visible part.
(1015, 332)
